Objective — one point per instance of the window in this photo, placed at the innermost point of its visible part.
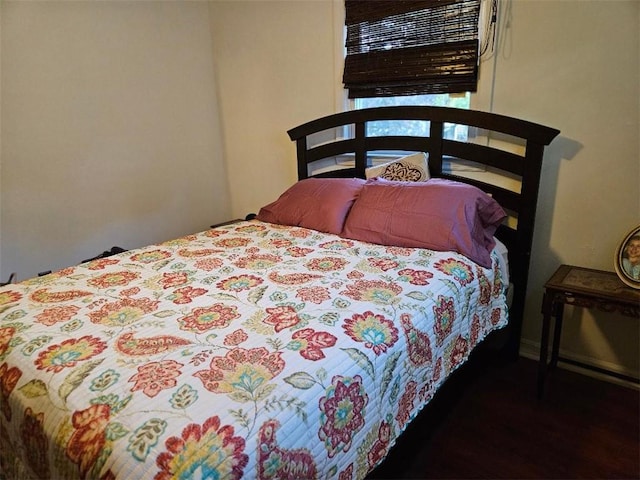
(417, 128)
(397, 48)
(411, 53)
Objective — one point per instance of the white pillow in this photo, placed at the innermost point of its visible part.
(412, 168)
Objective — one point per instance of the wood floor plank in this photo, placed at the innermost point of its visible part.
(488, 423)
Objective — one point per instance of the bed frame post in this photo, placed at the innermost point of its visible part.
(436, 131)
(524, 238)
(301, 148)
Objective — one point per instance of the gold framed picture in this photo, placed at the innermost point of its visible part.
(627, 260)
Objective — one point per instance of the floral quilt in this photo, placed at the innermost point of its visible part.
(251, 350)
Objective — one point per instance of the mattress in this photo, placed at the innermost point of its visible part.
(251, 350)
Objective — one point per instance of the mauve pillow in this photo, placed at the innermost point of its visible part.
(318, 203)
(437, 214)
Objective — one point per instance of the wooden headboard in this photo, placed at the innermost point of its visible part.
(347, 144)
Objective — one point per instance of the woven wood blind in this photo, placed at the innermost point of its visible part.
(411, 47)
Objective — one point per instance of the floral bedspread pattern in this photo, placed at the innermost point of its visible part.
(250, 350)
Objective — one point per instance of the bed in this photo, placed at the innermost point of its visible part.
(267, 348)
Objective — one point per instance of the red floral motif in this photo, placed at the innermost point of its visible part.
(235, 338)
(299, 251)
(497, 280)
(341, 413)
(347, 473)
(314, 294)
(186, 295)
(355, 275)
(101, 263)
(203, 252)
(211, 449)
(9, 377)
(35, 442)
(209, 264)
(326, 264)
(485, 287)
(460, 271)
(68, 353)
(459, 352)
(292, 278)
(282, 317)
(337, 244)
(124, 311)
(278, 463)
(64, 272)
(44, 296)
(154, 377)
(399, 251)
(375, 331)
(213, 233)
(280, 243)
(383, 264)
(496, 315)
(376, 291)
(445, 314)
(241, 371)
(134, 347)
(53, 315)
(151, 256)
(258, 261)
(89, 436)
(437, 370)
(232, 242)
(6, 334)
(299, 233)
(418, 343)
(315, 342)
(406, 404)
(475, 330)
(202, 319)
(170, 280)
(415, 277)
(250, 228)
(239, 283)
(130, 292)
(381, 446)
(115, 279)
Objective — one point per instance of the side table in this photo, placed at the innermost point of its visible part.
(582, 287)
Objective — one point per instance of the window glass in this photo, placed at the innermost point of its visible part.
(416, 128)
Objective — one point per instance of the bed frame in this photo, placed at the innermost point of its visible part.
(352, 145)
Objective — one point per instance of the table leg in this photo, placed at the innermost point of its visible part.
(557, 334)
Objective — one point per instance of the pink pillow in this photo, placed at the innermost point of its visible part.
(318, 203)
(437, 214)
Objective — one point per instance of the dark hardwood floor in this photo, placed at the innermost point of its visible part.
(488, 423)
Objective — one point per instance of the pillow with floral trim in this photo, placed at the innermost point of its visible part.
(412, 168)
(438, 214)
(318, 203)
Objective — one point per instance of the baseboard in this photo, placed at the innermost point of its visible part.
(531, 350)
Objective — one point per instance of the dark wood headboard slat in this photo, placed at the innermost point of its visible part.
(399, 144)
(491, 157)
(525, 168)
(489, 121)
(327, 150)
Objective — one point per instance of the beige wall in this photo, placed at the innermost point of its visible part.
(110, 127)
(575, 66)
(129, 92)
(275, 69)
(572, 65)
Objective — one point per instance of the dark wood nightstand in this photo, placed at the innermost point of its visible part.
(582, 287)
